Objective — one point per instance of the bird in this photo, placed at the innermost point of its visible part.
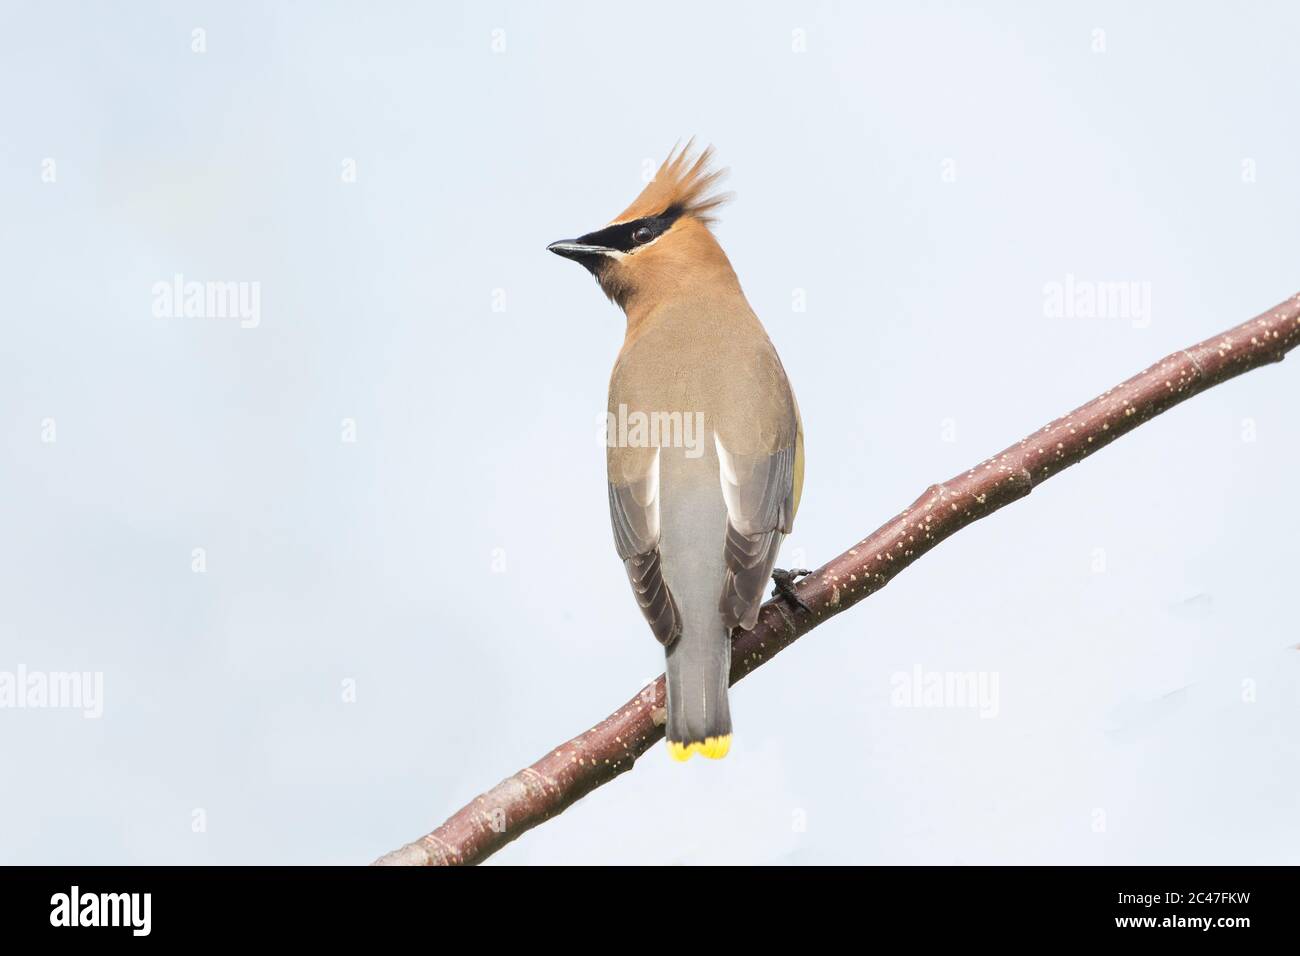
(704, 453)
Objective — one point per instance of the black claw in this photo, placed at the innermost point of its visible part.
(784, 581)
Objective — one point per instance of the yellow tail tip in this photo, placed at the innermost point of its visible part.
(715, 748)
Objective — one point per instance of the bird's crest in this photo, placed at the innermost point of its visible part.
(684, 183)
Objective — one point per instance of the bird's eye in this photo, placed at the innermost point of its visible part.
(642, 235)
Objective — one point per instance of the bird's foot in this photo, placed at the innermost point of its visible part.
(784, 581)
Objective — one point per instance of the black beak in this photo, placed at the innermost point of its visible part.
(578, 251)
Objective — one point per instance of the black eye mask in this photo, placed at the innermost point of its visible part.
(620, 236)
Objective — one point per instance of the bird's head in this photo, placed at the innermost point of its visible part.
(660, 244)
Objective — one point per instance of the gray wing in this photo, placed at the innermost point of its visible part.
(634, 513)
(759, 492)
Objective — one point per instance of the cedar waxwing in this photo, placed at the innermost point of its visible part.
(705, 450)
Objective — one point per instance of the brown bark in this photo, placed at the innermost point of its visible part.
(595, 757)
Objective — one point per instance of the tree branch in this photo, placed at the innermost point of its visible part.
(595, 757)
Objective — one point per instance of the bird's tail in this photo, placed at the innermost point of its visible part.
(697, 676)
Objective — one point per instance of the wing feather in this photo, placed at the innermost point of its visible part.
(634, 514)
(759, 493)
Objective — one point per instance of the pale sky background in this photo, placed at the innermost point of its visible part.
(920, 174)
